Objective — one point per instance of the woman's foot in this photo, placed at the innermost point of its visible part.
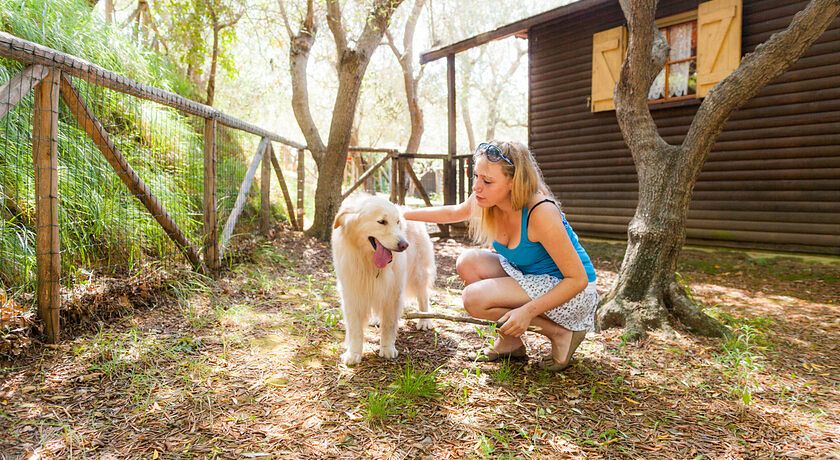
(504, 348)
(562, 349)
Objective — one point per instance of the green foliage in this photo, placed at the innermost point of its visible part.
(103, 227)
(69, 26)
(379, 406)
(191, 23)
(742, 353)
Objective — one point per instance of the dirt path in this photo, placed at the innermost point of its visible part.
(248, 368)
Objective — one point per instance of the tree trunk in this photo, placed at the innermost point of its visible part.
(109, 11)
(352, 64)
(327, 197)
(646, 294)
(410, 83)
(214, 62)
(331, 165)
(464, 95)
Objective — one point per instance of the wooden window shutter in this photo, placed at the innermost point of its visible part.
(608, 48)
(718, 42)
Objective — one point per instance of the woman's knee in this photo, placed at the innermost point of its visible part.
(468, 265)
(474, 300)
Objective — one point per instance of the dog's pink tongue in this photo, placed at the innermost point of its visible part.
(382, 256)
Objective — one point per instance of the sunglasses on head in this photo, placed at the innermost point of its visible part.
(493, 153)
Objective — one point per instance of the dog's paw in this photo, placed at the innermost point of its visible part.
(425, 324)
(349, 358)
(388, 352)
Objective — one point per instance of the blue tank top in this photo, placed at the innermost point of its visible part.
(531, 258)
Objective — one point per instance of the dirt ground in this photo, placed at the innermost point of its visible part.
(247, 367)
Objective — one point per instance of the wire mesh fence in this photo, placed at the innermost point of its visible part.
(234, 151)
(17, 187)
(110, 181)
(105, 228)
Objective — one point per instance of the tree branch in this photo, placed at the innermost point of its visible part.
(393, 46)
(285, 18)
(299, 59)
(411, 26)
(336, 27)
(381, 14)
(769, 60)
(646, 53)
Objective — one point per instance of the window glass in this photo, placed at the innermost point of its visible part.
(679, 76)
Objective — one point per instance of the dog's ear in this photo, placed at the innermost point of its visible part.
(341, 217)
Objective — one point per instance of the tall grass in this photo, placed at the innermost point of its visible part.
(103, 227)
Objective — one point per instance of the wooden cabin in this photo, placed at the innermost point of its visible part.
(773, 178)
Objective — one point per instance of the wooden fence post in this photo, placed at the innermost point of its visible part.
(265, 192)
(402, 164)
(301, 176)
(45, 160)
(395, 160)
(211, 227)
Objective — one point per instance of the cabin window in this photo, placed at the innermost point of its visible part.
(705, 48)
(678, 79)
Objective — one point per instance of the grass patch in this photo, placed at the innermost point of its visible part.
(402, 397)
(503, 372)
(742, 352)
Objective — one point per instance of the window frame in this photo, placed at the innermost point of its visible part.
(669, 21)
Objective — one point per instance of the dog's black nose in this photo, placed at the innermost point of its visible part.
(402, 245)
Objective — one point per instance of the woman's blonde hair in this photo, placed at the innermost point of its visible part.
(527, 180)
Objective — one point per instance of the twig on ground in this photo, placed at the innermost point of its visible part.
(461, 319)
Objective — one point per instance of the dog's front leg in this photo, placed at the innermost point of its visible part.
(355, 320)
(388, 329)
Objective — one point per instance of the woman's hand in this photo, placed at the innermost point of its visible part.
(515, 322)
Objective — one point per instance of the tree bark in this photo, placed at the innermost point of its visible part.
(467, 65)
(647, 294)
(214, 62)
(109, 11)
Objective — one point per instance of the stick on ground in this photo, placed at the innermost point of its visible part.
(461, 319)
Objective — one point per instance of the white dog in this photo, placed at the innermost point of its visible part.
(379, 258)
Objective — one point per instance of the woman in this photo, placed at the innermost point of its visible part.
(539, 275)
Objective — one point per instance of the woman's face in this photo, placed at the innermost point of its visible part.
(491, 186)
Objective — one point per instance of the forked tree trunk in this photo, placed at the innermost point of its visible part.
(352, 64)
(646, 294)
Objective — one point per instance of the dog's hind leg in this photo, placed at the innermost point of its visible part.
(355, 320)
(389, 323)
(424, 324)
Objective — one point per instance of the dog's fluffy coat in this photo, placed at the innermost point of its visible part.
(368, 231)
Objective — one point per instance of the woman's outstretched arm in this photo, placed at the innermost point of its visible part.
(442, 214)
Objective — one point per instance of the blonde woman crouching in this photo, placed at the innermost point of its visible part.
(538, 275)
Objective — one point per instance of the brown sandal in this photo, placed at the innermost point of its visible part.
(550, 364)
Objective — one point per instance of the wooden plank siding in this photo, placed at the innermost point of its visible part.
(773, 177)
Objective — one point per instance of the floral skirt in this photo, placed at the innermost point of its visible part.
(578, 314)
